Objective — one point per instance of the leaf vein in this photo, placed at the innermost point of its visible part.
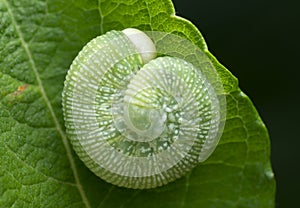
(46, 176)
(187, 186)
(106, 196)
(101, 16)
(48, 103)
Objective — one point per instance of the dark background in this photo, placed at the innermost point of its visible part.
(258, 41)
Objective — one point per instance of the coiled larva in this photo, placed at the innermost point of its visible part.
(138, 121)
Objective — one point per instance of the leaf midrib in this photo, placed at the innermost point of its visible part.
(49, 106)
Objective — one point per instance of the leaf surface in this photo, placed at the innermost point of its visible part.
(39, 40)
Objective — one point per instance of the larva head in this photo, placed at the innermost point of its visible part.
(142, 43)
(138, 121)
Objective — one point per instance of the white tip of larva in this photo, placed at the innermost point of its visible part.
(142, 42)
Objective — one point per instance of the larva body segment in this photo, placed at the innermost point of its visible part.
(138, 125)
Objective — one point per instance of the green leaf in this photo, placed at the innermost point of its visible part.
(39, 40)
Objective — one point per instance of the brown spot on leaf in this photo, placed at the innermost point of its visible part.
(20, 89)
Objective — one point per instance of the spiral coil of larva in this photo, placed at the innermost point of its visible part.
(138, 125)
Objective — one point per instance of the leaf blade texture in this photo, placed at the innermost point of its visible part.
(39, 40)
